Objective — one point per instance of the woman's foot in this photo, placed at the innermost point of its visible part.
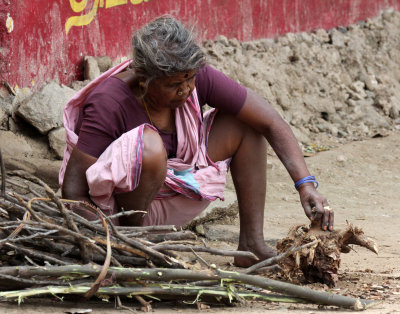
(262, 251)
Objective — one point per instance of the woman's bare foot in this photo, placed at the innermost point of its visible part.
(262, 251)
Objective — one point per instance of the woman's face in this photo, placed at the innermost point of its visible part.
(171, 91)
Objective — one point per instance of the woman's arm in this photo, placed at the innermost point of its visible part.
(75, 186)
(259, 114)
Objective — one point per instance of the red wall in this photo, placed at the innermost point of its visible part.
(40, 48)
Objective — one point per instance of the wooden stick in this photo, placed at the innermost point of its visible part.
(121, 214)
(36, 235)
(147, 228)
(276, 259)
(12, 224)
(37, 254)
(166, 290)
(34, 282)
(187, 248)
(149, 251)
(122, 247)
(172, 236)
(146, 306)
(272, 268)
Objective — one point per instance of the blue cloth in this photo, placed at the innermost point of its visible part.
(188, 178)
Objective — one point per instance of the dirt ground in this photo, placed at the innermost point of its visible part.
(362, 182)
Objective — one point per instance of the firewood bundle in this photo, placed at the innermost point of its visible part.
(47, 249)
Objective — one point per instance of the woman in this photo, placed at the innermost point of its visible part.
(145, 144)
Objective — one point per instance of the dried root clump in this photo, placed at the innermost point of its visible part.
(321, 261)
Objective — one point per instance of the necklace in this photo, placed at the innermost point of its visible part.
(147, 111)
(167, 129)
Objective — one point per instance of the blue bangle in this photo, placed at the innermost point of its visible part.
(304, 180)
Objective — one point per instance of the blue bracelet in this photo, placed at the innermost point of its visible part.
(304, 180)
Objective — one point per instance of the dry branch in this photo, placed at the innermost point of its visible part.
(273, 260)
(188, 248)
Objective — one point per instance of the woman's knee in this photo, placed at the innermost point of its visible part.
(154, 153)
(226, 135)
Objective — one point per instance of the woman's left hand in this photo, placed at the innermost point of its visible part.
(316, 206)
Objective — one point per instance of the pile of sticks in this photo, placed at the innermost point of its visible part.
(47, 249)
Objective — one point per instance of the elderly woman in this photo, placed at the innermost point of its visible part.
(137, 139)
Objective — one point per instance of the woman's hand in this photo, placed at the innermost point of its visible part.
(316, 206)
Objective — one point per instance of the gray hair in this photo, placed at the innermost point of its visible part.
(164, 47)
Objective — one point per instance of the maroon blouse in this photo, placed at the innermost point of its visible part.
(111, 109)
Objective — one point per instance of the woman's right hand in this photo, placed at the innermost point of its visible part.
(316, 206)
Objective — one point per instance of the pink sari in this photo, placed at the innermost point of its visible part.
(193, 180)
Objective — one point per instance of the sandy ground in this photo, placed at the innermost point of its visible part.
(362, 183)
